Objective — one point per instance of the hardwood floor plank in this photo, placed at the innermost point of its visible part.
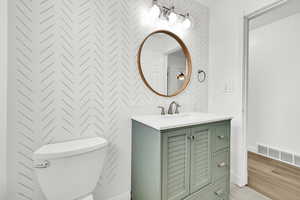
(273, 178)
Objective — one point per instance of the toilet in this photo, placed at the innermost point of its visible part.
(70, 170)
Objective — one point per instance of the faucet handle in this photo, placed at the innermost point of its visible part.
(163, 112)
(176, 109)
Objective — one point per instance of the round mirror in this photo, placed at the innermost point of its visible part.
(164, 63)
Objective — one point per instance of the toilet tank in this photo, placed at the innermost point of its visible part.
(70, 170)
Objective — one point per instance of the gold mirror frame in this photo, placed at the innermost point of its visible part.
(186, 53)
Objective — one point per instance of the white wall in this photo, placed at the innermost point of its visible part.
(273, 105)
(226, 59)
(73, 74)
(154, 69)
(206, 2)
(3, 96)
(176, 65)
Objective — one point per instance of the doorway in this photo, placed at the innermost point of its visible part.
(271, 103)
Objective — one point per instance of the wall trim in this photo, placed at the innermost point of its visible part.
(236, 179)
(3, 100)
(252, 149)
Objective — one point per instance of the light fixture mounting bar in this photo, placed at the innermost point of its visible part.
(169, 9)
(169, 14)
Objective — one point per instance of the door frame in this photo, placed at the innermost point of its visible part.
(245, 78)
(3, 96)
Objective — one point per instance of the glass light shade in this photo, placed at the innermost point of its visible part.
(187, 23)
(172, 18)
(155, 11)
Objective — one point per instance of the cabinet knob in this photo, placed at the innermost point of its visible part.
(221, 137)
(222, 164)
(191, 137)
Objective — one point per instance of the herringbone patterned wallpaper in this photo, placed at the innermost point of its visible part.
(73, 74)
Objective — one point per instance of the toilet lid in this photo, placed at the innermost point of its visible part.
(70, 148)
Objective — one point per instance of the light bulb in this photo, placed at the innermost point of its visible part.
(180, 76)
(187, 23)
(172, 18)
(155, 11)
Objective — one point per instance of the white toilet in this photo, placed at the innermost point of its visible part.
(70, 170)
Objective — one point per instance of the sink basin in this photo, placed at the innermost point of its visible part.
(164, 122)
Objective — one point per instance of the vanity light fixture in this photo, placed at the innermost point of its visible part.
(169, 14)
(180, 76)
(187, 22)
(155, 10)
(172, 16)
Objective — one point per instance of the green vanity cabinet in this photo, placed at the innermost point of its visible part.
(200, 162)
(189, 163)
(175, 164)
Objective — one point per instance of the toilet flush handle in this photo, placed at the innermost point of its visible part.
(42, 164)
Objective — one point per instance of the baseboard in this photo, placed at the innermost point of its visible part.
(235, 179)
(252, 149)
(124, 196)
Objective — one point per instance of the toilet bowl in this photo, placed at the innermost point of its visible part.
(70, 170)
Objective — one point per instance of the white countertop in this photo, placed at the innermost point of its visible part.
(164, 122)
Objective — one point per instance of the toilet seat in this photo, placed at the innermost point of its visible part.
(89, 197)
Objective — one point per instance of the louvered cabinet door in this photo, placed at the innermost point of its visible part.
(176, 164)
(200, 157)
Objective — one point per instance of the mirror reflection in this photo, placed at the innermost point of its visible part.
(164, 64)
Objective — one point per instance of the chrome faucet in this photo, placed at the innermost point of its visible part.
(163, 112)
(171, 110)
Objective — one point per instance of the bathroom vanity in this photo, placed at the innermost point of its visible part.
(181, 157)
(176, 156)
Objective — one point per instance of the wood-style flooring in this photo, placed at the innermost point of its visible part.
(275, 179)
